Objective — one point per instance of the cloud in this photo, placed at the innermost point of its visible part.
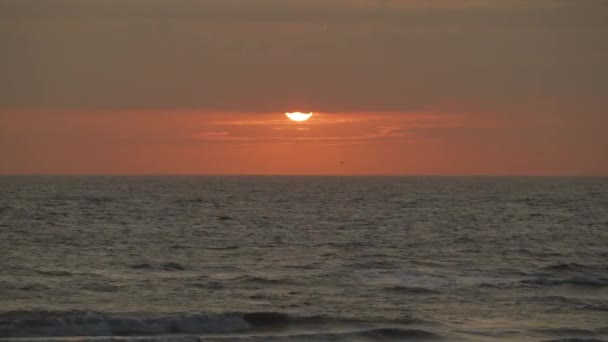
(318, 119)
(346, 128)
(213, 135)
(292, 139)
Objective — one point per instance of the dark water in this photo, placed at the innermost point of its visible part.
(304, 258)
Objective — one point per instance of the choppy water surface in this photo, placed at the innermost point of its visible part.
(304, 258)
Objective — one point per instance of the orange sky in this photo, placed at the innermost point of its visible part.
(501, 87)
(367, 143)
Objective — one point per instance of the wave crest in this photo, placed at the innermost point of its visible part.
(88, 323)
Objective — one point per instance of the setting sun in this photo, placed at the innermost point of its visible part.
(297, 116)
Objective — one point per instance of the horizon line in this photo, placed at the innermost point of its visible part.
(455, 175)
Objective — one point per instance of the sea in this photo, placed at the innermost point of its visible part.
(310, 258)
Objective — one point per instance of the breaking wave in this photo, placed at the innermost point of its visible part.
(88, 323)
(96, 324)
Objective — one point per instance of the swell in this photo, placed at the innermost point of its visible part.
(257, 280)
(38, 324)
(371, 334)
(581, 281)
(575, 339)
(573, 334)
(572, 266)
(89, 323)
(410, 290)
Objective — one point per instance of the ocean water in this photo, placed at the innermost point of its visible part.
(303, 259)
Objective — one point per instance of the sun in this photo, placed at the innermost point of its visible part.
(297, 116)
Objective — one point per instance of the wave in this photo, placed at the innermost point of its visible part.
(63, 324)
(374, 264)
(555, 300)
(596, 307)
(574, 281)
(256, 280)
(55, 273)
(576, 339)
(566, 332)
(89, 323)
(563, 267)
(573, 334)
(167, 266)
(562, 301)
(81, 198)
(573, 267)
(410, 290)
(223, 248)
(373, 334)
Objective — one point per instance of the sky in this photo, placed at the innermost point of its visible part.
(496, 87)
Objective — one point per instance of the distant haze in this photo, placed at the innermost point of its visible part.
(400, 87)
